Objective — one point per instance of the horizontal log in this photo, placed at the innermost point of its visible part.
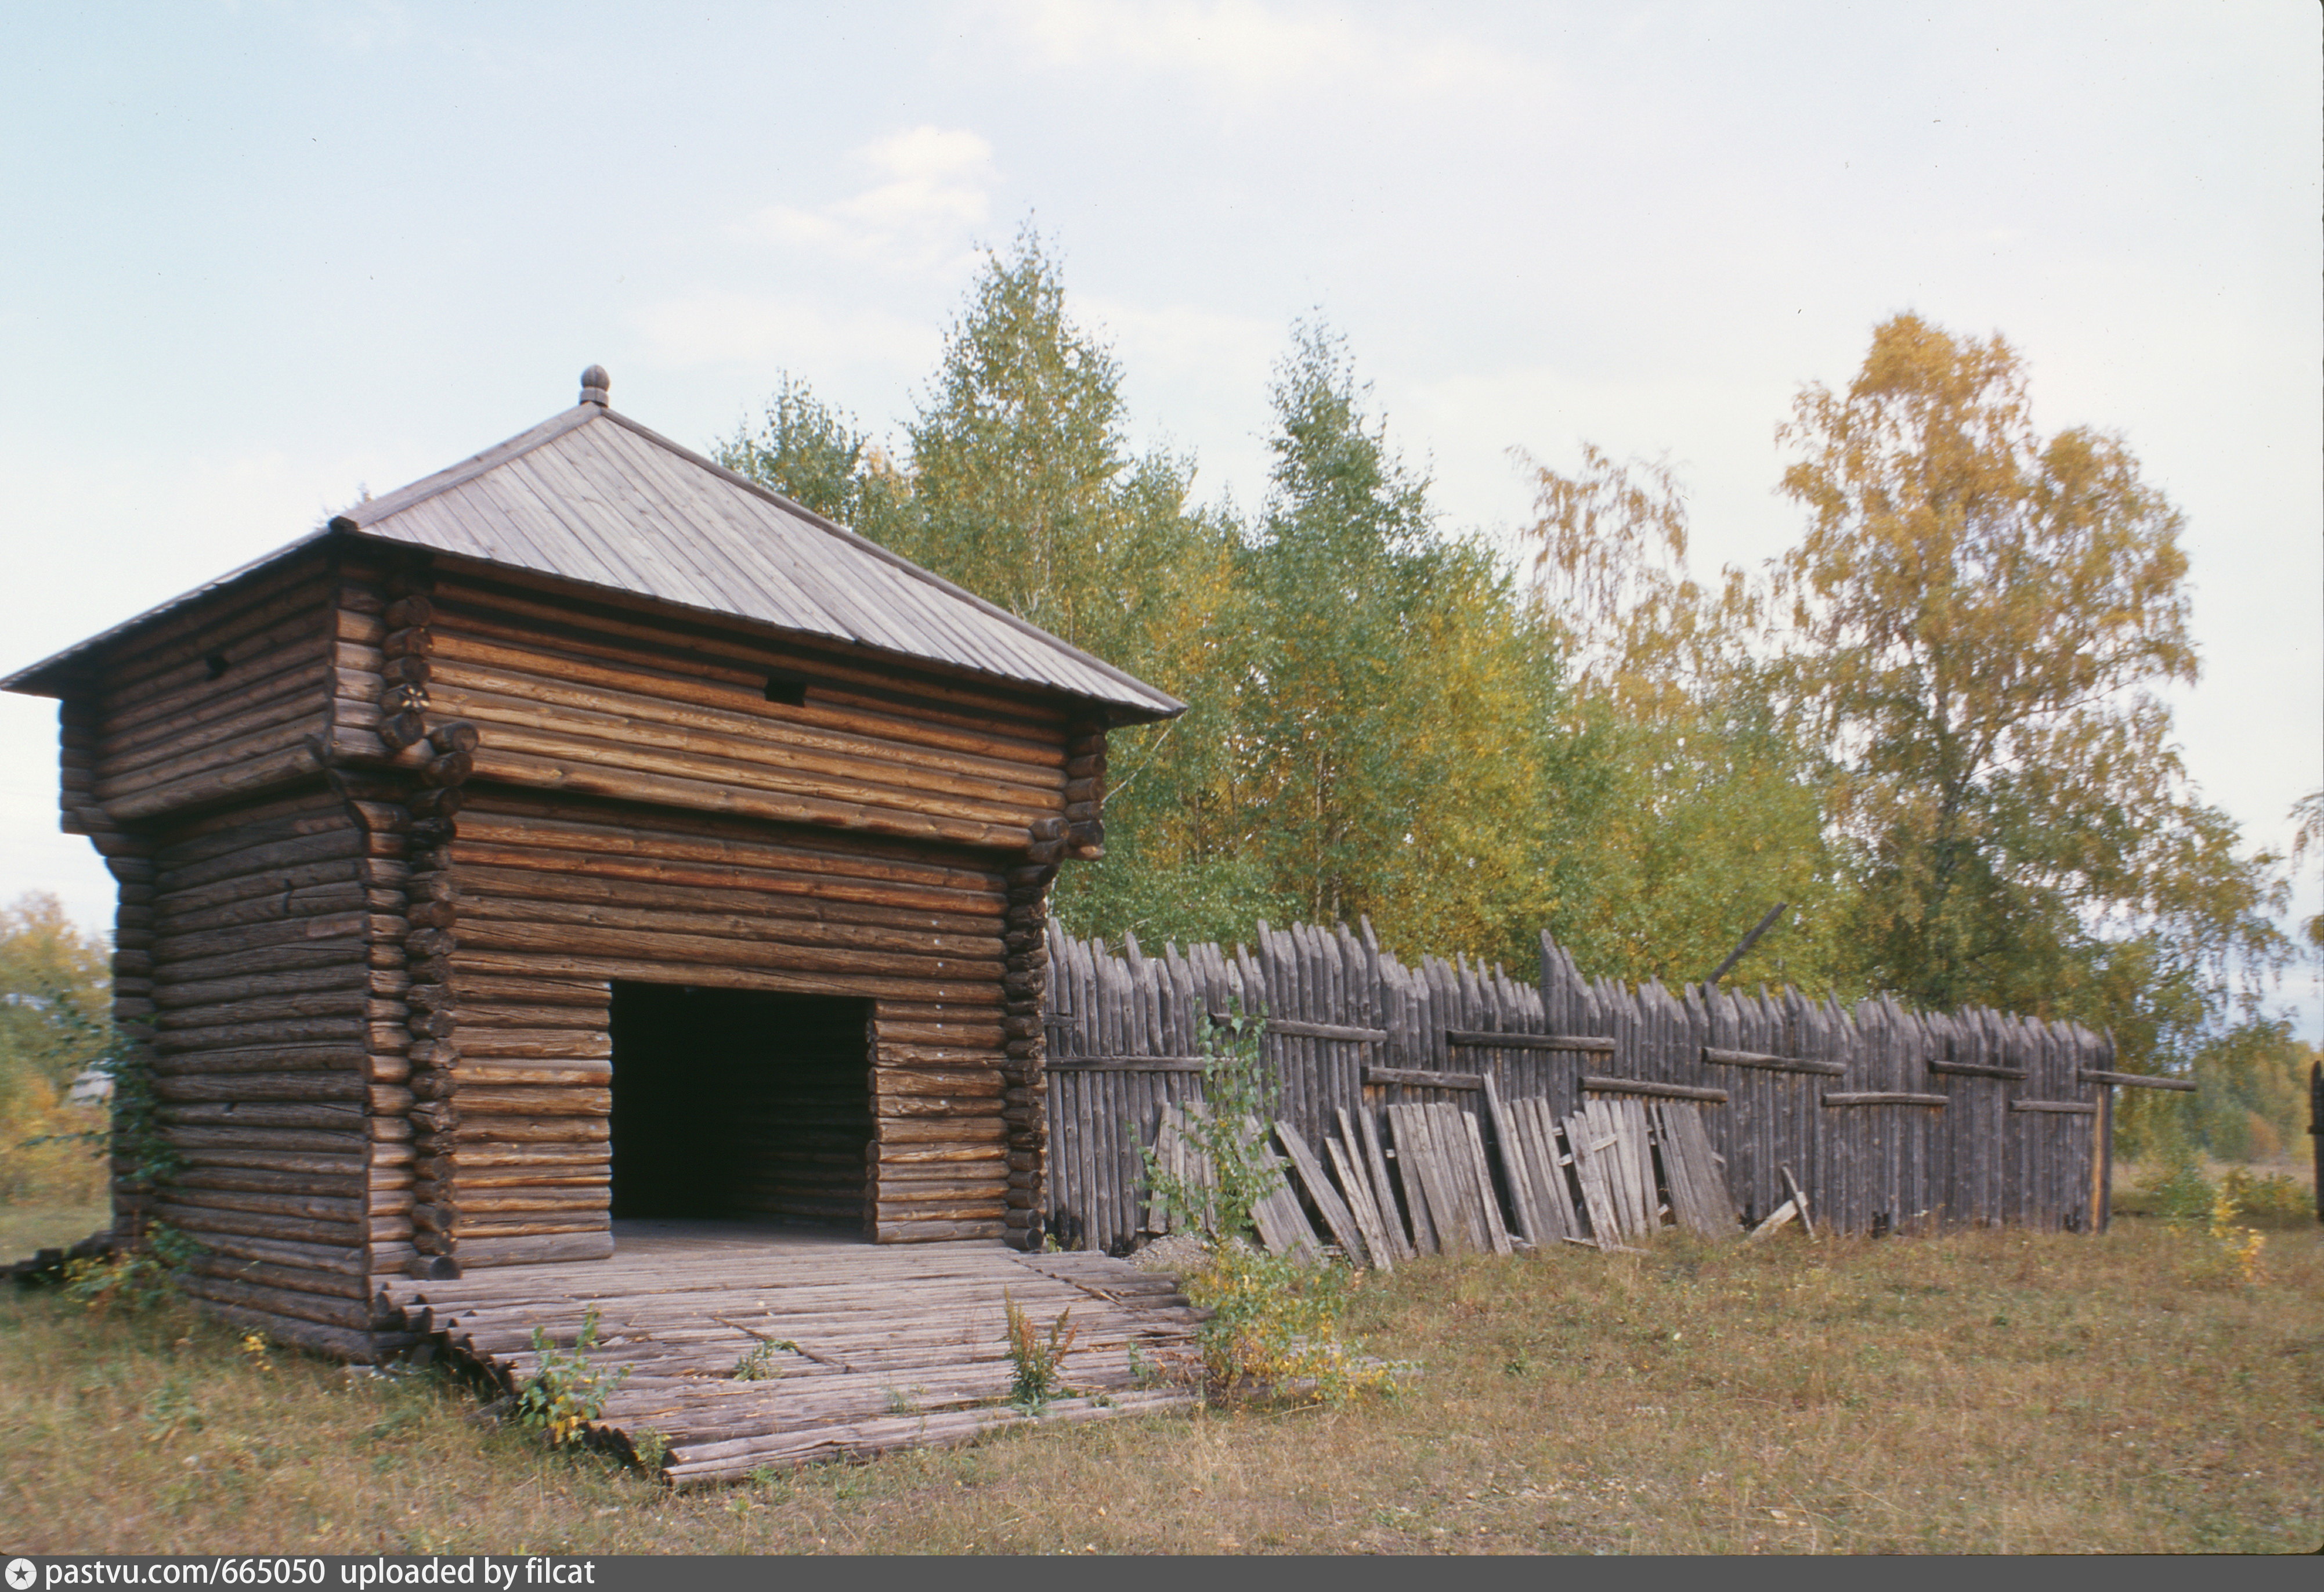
(283, 1140)
(354, 1031)
(344, 1260)
(900, 1108)
(2061, 1107)
(472, 1157)
(888, 1081)
(1884, 1098)
(800, 942)
(259, 850)
(1772, 1063)
(277, 1008)
(478, 1101)
(706, 971)
(1666, 1091)
(531, 1177)
(471, 1070)
(263, 1114)
(298, 1279)
(595, 1245)
(527, 1225)
(920, 1131)
(261, 1180)
(352, 954)
(341, 976)
(547, 1044)
(350, 1314)
(171, 946)
(611, 951)
(328, 1057)
(1297, 1028)
(1976, 1069)
(340, 1343)
(332, 885)
(2137, 1080)
(262, 1086)
(533, 1130)
(202, 1222)
(1422, 1077)
(708, 849)
(884, 1231)
(312, 811)
(475, 1012)
(581, 1201)
(239, 779)
(931, 1154)
(794, 911)
(1126, 1064)
(353, 1164)
(579, 995)
(1484, 1039)
(557, 768)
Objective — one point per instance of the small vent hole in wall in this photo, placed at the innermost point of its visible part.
(215, 663)
(790, 690)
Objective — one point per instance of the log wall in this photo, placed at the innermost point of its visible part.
(1891, 1120)
(275, 1045)
(227, 697)
(642, 801)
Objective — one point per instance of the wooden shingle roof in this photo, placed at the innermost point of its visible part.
(591, 495)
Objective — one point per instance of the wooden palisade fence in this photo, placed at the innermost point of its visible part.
(1891, 1120)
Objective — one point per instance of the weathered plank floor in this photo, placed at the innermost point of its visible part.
(898, 1346)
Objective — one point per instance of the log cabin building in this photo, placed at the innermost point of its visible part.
(584, 831)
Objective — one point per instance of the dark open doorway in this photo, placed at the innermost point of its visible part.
(741, 1104)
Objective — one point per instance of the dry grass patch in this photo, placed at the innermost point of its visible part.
(28, 1227)
(1986, 1393)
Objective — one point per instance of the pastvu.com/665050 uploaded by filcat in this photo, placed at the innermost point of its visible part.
(482, 1571)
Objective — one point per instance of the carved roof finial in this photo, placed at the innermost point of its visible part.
(596, 385)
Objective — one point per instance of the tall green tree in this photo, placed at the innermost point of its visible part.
(1977, 618)
(1397, 720)
(55, 995)
(820, 458)
(1699, 803)
(1018, 480)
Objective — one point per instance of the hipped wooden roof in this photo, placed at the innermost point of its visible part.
(592, 496)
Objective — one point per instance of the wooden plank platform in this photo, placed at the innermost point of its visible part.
(898, 1346)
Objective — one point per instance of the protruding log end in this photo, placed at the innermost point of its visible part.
(596, 386)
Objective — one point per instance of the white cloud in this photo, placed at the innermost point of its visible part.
(928, 195)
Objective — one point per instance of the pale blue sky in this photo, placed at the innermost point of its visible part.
(259, 254)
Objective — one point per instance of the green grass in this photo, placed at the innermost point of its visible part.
(27, 1226)
(1979, 1393)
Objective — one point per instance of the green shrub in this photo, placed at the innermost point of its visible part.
(2177, 1190)
(2274, 1201)
(1230, 1134)
(567, 1392)
(1275, 1326)
(1037, 1357)
(136, 1280)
